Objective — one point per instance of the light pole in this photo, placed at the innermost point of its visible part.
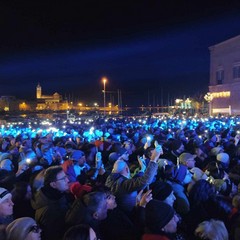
(104, 95)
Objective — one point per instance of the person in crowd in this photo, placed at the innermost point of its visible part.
(205, 204)
(211, 230)
(6, 206)
(160, 221)
(24, 228)
(51, 203)
(76, 167)
(21, 197)
(163, 191)
(187, 159)
(90, 210)
(125, 188)
(122, 228)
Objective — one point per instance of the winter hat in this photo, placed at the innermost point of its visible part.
(161, 190)
(157, 215)
(223, 157)
(98, 143)
(198, 174)
(215, 151)
(175, 144)
(184, 157)
(76, 155)
(19, 228)
(78, 190)
(4, 194)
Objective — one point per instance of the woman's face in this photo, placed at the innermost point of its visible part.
(6, 207)
(111, 202)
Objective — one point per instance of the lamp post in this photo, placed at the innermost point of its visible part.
(104, 95)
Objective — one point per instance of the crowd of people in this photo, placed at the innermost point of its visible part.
(121, 178)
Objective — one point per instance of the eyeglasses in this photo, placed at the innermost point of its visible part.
(60, 179)
(35, 229)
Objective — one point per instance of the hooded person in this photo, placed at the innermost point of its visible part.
(181, 177)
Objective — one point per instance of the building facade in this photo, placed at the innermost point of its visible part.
(225, 77)
(49, 102)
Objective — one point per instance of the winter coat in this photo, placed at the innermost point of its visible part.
(50, 212)
(125, 190)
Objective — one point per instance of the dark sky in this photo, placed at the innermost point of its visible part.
(148, 49)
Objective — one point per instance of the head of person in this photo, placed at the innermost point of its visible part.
(80, 232)
(160, 217)
(223, 159)
(122, 168)
(21, 191)
(111, 201)
(56, 178)
(6, 204)
(201, 191)
(78, 157)
(187, 159)
(212, 230)
(163, 191)
(182, 175)
(24, 228)
(176, 145)
(96, 205)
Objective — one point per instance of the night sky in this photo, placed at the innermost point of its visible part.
(151, 50)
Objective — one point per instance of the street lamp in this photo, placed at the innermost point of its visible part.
(104, 95)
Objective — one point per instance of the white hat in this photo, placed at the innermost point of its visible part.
(198, 174)
(223, 157)
(4, 194)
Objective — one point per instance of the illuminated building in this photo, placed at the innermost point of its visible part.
(49, 102)
(224, 86)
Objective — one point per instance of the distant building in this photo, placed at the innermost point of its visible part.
(49, 102)
(225, 77)
(8, 103)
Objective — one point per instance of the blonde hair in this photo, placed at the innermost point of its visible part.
(212, 230)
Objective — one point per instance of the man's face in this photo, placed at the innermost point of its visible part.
(6, 207)
(190, 162)
(61, 182)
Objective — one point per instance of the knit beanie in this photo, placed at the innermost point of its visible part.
(19, 228)
(157, 215)
(4, 194)
(161, 190)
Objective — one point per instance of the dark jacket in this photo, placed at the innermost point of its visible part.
(80, 214)
(126, 189)
(51, 207)
(118, 226)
